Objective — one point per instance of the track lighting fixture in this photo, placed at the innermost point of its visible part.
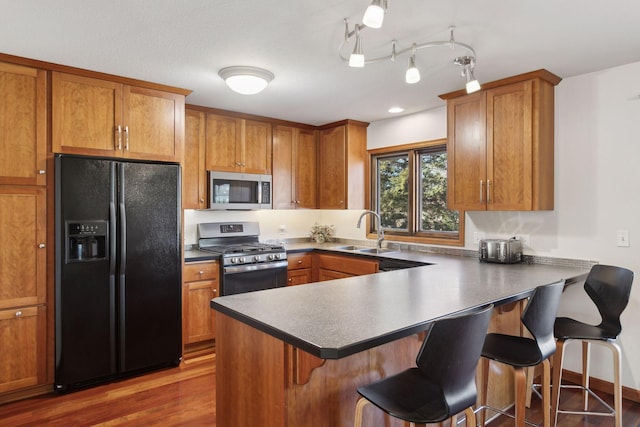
(413, 74)
(373, 18)
(374, 15)
(467, 63)
(357, 56)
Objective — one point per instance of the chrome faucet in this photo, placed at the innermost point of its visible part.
(379, 228)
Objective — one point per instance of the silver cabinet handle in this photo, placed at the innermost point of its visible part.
(481, 191)
(42, 172)
(488, 191)
(118, 137)
(126, 138)
(201, 272)
(18, 314)
(42, 246)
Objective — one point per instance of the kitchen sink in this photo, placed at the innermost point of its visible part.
(377, 251)
(348, 248)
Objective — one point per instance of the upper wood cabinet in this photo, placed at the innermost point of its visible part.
(294, 168)
(237, 145)
(194, 174)
(105, 118)
(342, 153)
(500, 145)
(23, 125)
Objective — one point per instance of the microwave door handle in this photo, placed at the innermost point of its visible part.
(259, 192)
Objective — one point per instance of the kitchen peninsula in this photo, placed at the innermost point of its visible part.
(294, 356)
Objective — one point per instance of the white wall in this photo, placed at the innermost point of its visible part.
(597, 149)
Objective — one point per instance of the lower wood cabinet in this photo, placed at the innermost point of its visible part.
(338, 267)
(23, 338)
(299, 269)
(201, 283)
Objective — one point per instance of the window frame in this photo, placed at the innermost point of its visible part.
(413, 235)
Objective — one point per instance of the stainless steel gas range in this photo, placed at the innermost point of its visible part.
(246, 263)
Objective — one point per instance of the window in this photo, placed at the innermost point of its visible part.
(409, 191)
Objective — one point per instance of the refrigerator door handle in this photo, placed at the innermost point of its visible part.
(113, 229)
(123, 265)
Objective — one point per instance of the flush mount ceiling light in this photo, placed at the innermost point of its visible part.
(246, 80)
(373, 18)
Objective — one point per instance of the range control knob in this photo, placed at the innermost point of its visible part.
(256, 258)
(234, 260)
(242, 259)
(277, 256)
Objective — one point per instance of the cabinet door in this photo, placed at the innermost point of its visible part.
(154, 124)
(256, 147)
(222, 145)
(23, 121)
(305, 181)
(509, 147)
(283, 165)
(199, 319)
(194, 174)
(332, 172)
(324, 274)
(23, 336)
(85, 113)
(22, 246)
(299, 277)
(466, 152)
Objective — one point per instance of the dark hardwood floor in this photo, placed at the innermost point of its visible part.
(185, 396)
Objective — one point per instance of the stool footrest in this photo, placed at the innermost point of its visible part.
(501, 412)
(611, 412)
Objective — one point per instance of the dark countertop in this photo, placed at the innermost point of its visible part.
(337, 318)
(193, 255)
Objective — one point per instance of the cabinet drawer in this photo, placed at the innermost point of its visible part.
(347, 264)
(195, 271)
(298, 261)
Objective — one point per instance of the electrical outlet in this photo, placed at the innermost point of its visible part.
(623, 238)
(282, 229)
(477, 236)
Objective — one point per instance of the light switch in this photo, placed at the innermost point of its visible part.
(623, 238)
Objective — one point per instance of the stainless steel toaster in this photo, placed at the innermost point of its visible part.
(503, 251)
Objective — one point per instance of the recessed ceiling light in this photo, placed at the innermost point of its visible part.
(396, 110)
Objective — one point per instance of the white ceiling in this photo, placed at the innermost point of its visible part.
(184, 43)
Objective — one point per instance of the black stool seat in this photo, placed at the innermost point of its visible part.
(515, 351)
(443, 383)
(410, 395)
(567, 328)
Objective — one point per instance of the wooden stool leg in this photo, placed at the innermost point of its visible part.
(585, 374)
(520, 385)
(483, 388)
(557, 380)
(470, 417)
(617, 384)
(530, 373)
(546, 386)
(362, 402)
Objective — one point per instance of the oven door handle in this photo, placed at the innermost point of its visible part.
(255, 267)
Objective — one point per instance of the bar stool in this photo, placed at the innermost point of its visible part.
(524, 352)
(609, 288)
(443, 383)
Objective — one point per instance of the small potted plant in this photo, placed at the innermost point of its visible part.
(321, 233)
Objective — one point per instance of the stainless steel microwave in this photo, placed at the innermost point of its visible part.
(239, 191)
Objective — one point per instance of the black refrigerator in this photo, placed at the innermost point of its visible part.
(118, 269)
